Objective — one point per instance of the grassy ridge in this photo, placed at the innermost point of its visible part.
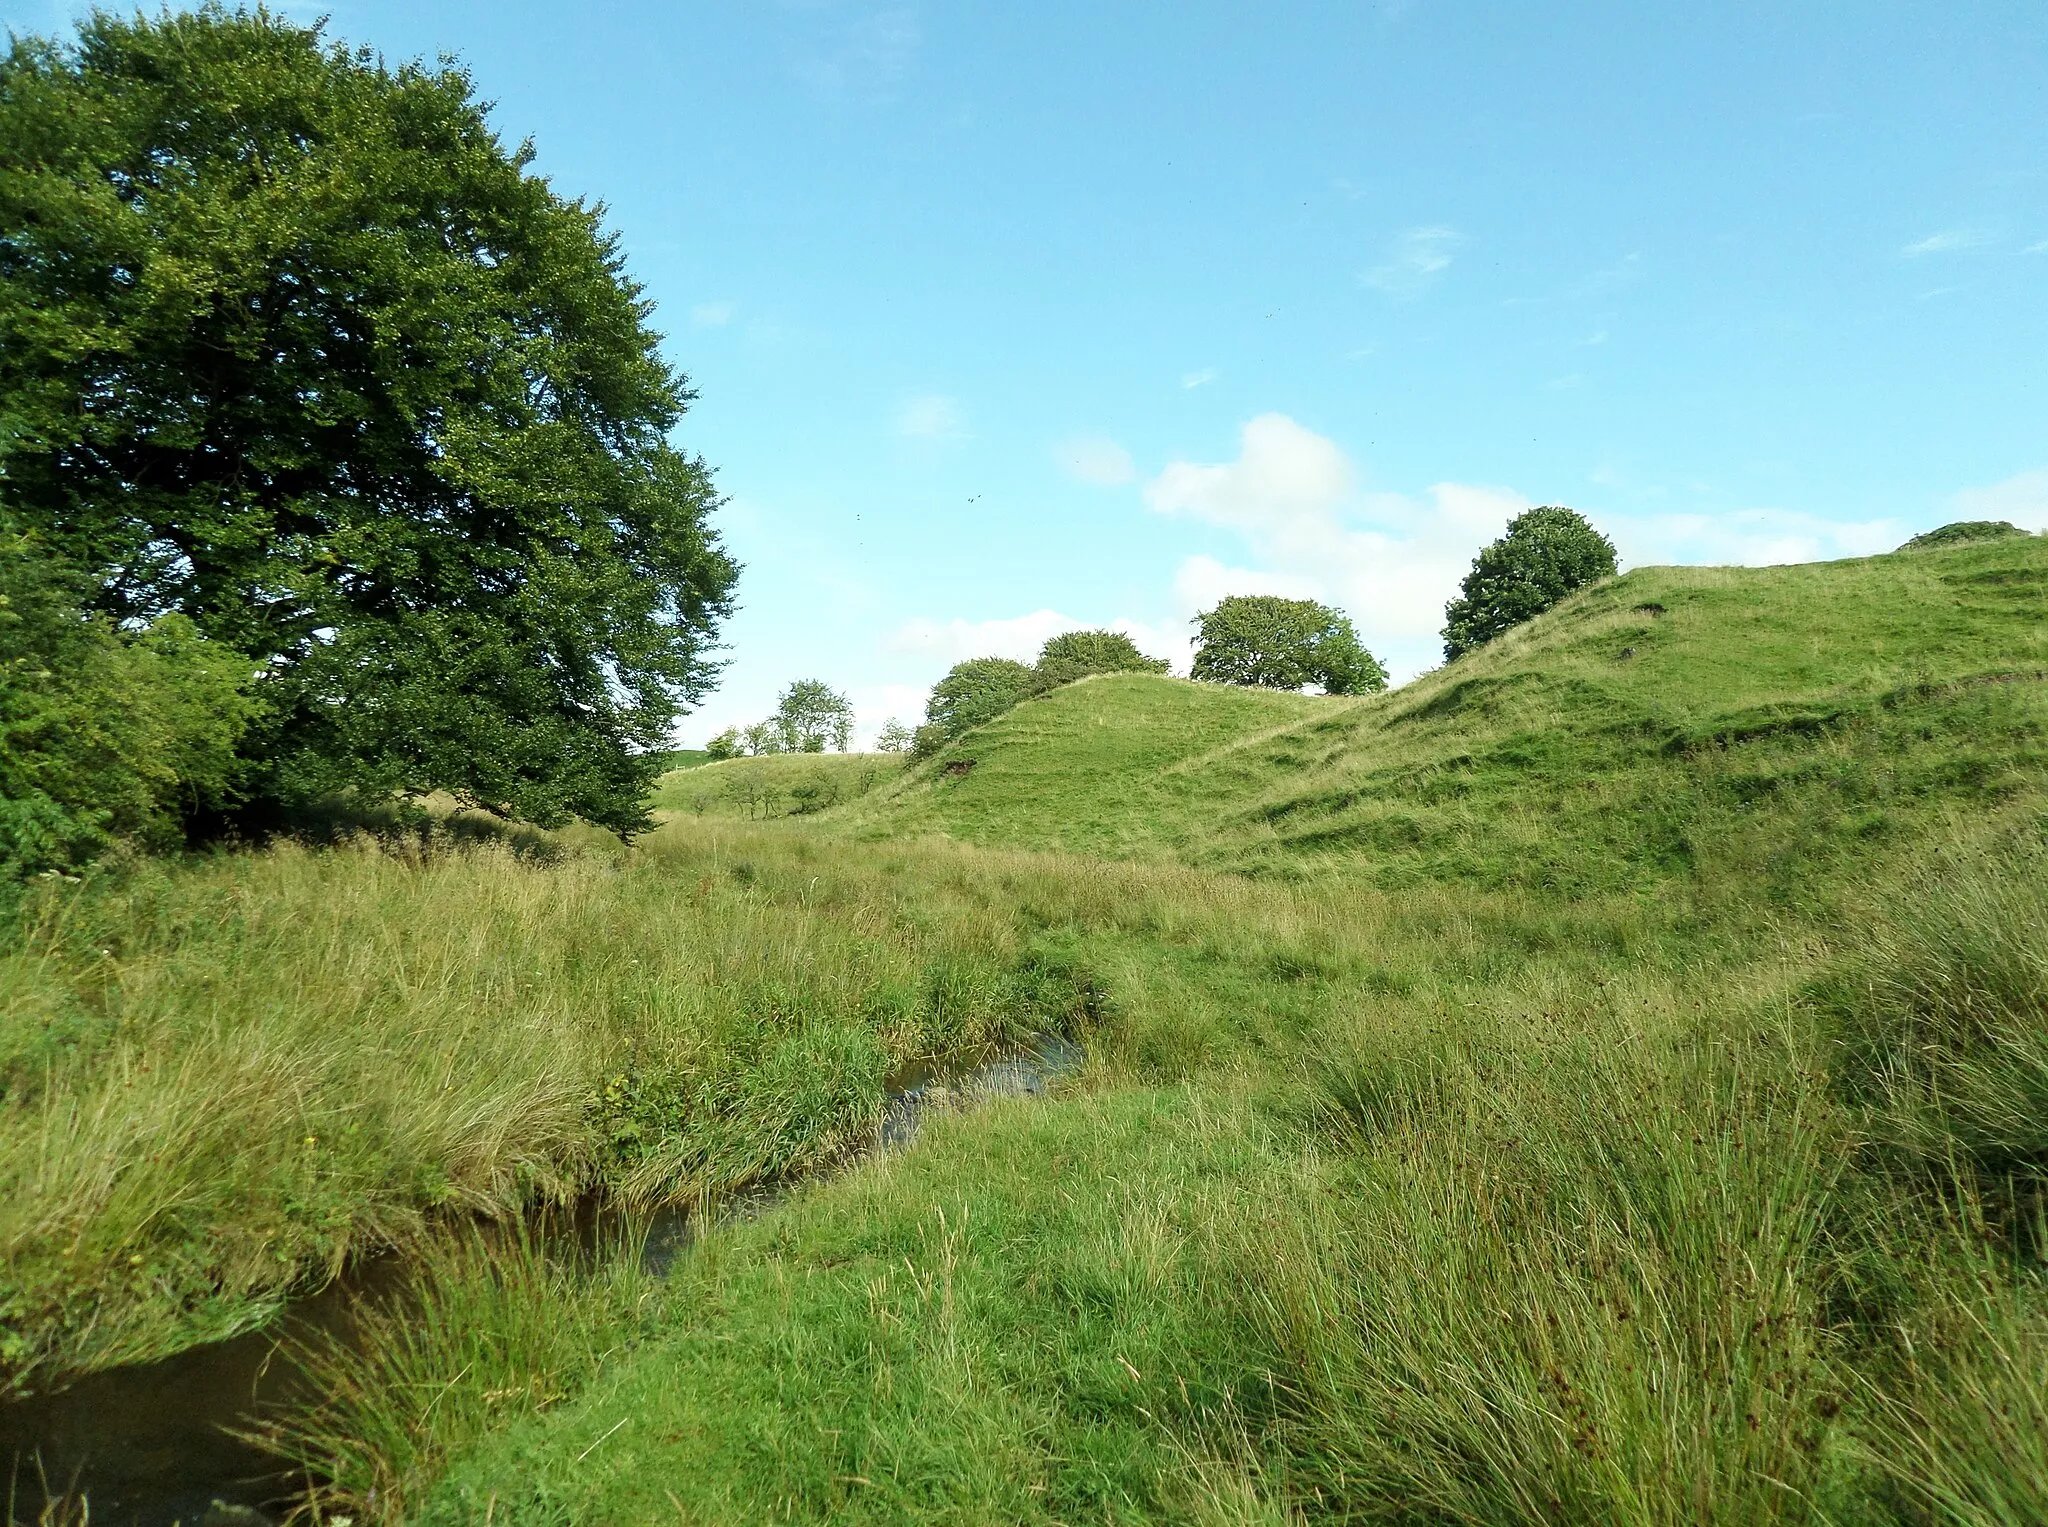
(773, 785)
(1718, 686)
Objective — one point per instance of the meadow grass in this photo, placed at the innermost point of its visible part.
(1575, 1088)
(224, 1080)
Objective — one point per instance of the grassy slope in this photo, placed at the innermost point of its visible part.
(1747, 677)
(755, 788)
(1531, 1184)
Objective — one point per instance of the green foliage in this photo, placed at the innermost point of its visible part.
(1273, 643)
(1961, 532)
(812, 716)
(976, 692)
(894, 737)
(104, 734)
(1077, 654)
(762, 738)
(1546, 554)
(727, 744)
(293, 346)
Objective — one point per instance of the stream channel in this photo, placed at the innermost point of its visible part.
(153, 1445)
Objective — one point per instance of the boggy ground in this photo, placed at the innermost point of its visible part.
(1641, 1120)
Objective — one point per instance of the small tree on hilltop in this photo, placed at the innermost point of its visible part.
(1273, 643)
(726, 744)
(1076, 654)
(761, 738)
(976, 691)
(1545, 555)
(812, 715)
(894, 737)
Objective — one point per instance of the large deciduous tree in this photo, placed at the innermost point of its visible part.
(292, 345)
(1545, 555)
(1275, 643)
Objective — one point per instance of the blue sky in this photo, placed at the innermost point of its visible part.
(1011, 318)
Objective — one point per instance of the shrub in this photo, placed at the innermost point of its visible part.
(1273, 643)
(1961, 532)
(1076, 654)
(104, 734)
(1545, 555)
(976, 691)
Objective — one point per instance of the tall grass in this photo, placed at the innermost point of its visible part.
(1569, 1282)
(487, 1329)
(222, 1082)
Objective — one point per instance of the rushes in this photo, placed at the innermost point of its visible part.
(1573, 1287)
(487, 1329)
(1946, 1018)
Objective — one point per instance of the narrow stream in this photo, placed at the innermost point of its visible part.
(151, 1445)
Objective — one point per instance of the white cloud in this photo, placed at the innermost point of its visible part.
(1945, 242)
(2040, 248)
(1096, 459)
(1414, 259)
(2022, 499)
(1748, 537)
(1283, 471)
(930, 417)
(1201, 581)
(1202, 378)
(1388, 560)
(713, 315)
(1021, 636)
(876, 705)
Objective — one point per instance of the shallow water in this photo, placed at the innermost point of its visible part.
(151, 1445)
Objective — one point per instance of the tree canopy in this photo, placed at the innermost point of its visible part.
(1077, 654)
(103, 733)
(1545, 555)
(1274, 643)
(293, 346)
(812, 716)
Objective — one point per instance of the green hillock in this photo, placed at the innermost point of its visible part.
(1593, 747)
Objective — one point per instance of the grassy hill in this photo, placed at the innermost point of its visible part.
(1556, 755)
(1605, 1081)
(773, 785)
